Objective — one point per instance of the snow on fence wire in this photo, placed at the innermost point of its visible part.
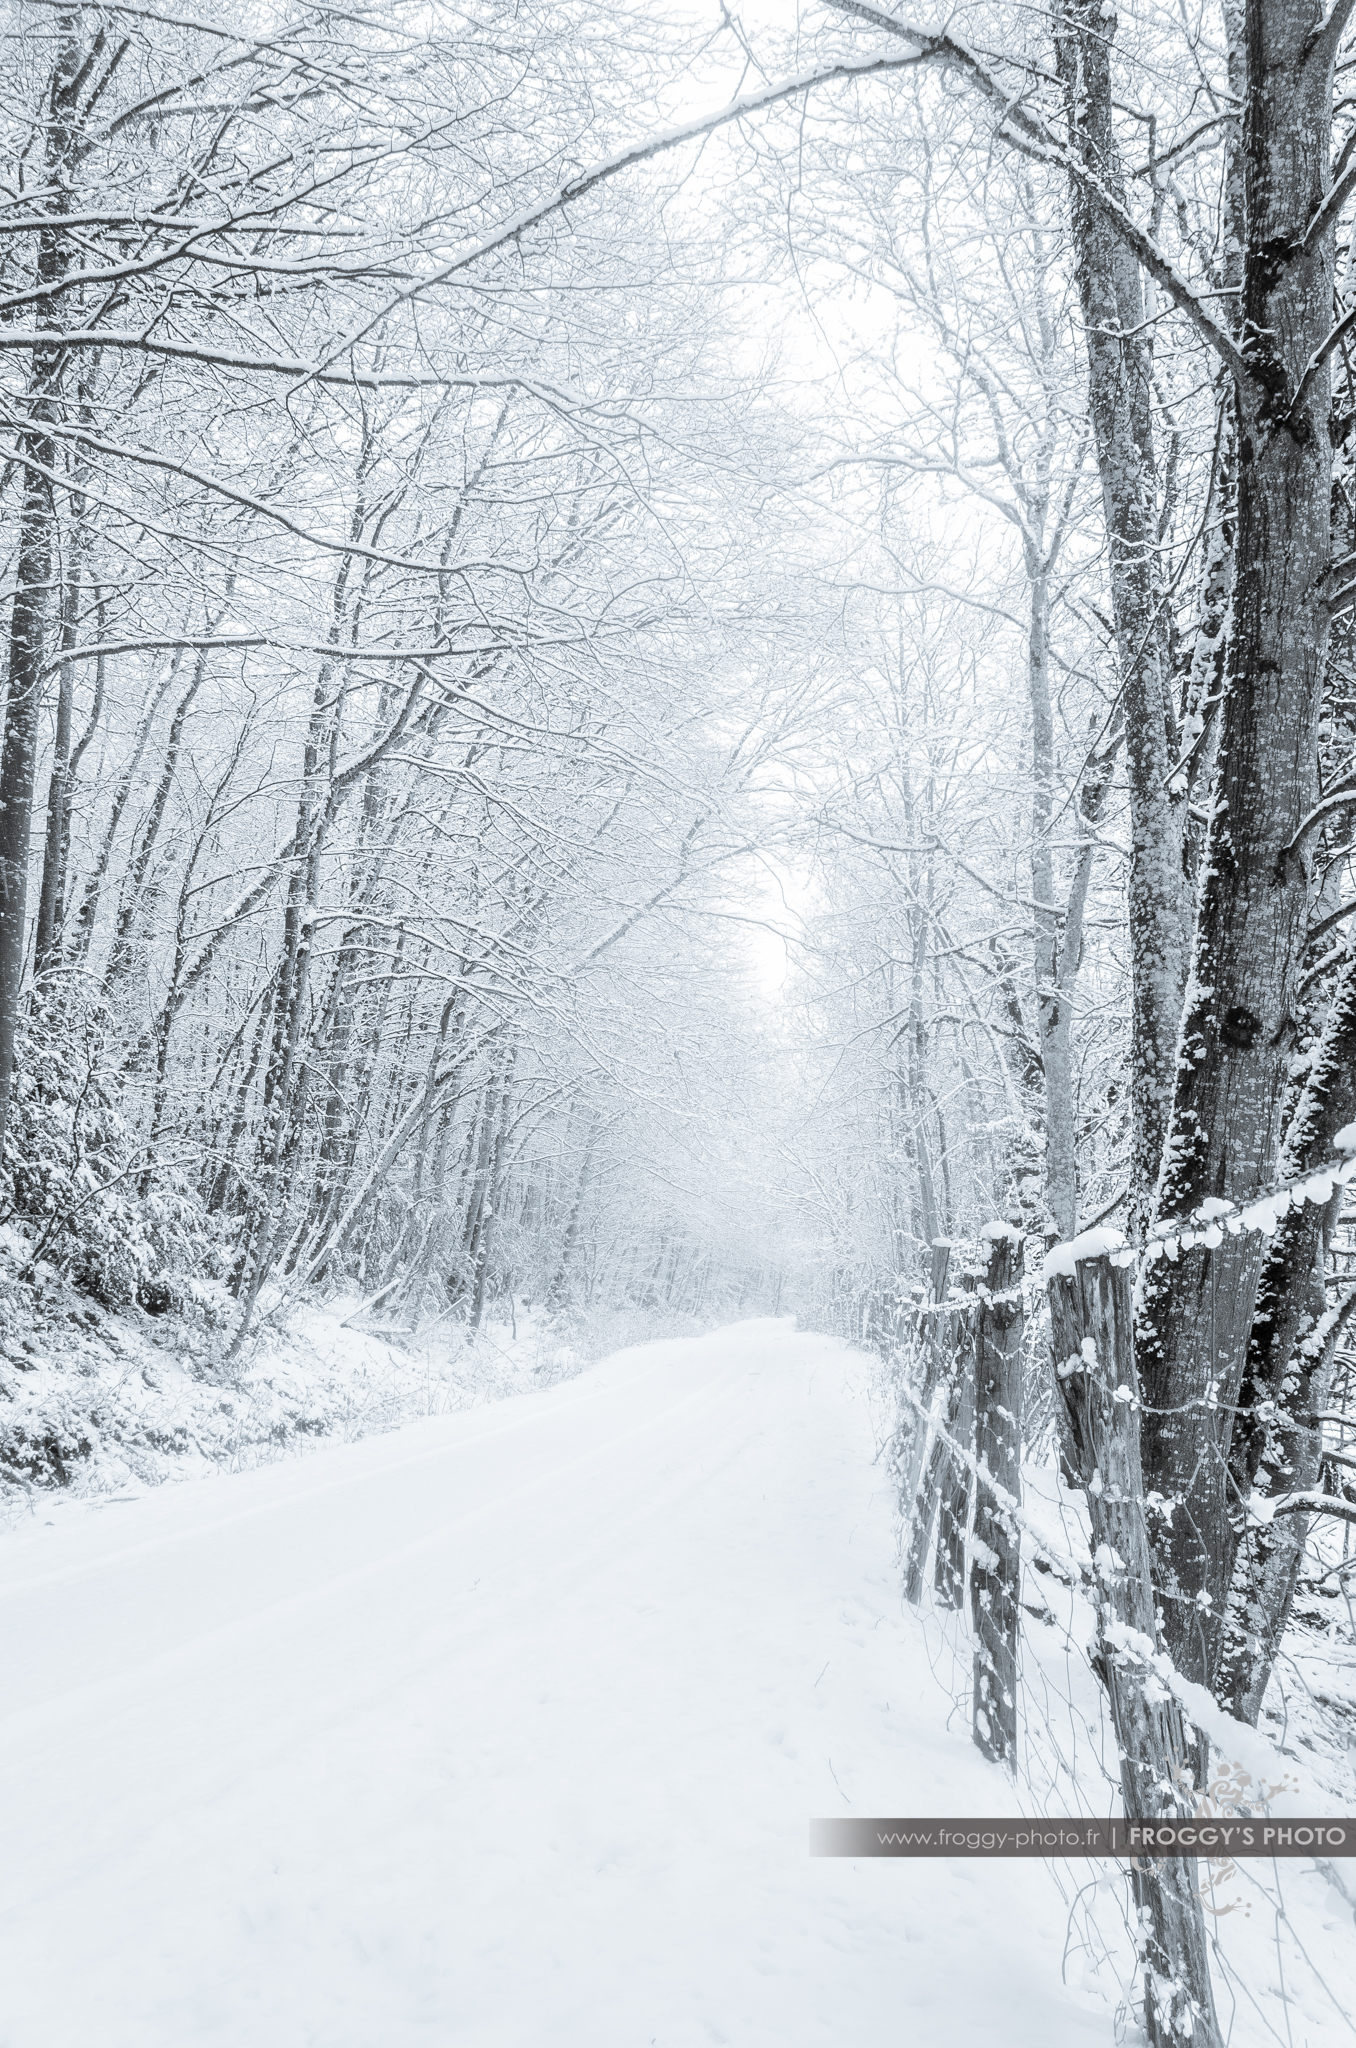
(1203, 1226)
(1072, 1571)
(1206, 1224)
(1236, 1739)
(1051, 1553)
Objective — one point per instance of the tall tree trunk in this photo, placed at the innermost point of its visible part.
(19, 751)
(1276, 1446)
(1119, 389)
(1240, 1027)
(36, 558)
(51, 892)
(1053, 1011)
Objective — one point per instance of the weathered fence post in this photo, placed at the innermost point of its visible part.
(939, 1370)
(996, 1547)
(1092, 1312)
(915, 1446)
(953, 1500)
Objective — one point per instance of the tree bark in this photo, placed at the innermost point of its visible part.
(1276, 1447)
(1119, 388)
(52, 889)
(36, 556)
(1240, 1026)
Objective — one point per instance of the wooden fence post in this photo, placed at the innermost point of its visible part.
(955, 1486)
(1092, 1316)
(939, 1371)
(914, 1448)
(996, 1553)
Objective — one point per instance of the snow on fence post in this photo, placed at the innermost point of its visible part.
(1091, 1297)
(996, 1553)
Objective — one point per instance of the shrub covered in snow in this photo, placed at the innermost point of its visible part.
(81, 1194)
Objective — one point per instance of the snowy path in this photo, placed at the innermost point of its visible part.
(504, 1729)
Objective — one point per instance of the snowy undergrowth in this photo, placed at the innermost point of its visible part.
(97, 1401)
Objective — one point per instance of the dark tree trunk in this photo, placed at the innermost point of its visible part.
(19, 750)
(1276, 1447)
(1240, 1027)
(52, 890)
(36, 558)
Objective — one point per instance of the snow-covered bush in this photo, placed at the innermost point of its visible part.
(78, 1189)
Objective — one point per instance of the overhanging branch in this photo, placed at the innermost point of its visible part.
(1033, 137)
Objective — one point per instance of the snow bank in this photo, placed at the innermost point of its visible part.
(93, 1402)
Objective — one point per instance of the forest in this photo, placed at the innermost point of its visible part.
(665, 668)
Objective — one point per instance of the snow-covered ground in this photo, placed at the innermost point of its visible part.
(503, 1730)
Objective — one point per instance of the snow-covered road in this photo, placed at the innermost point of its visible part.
(503, 1731)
